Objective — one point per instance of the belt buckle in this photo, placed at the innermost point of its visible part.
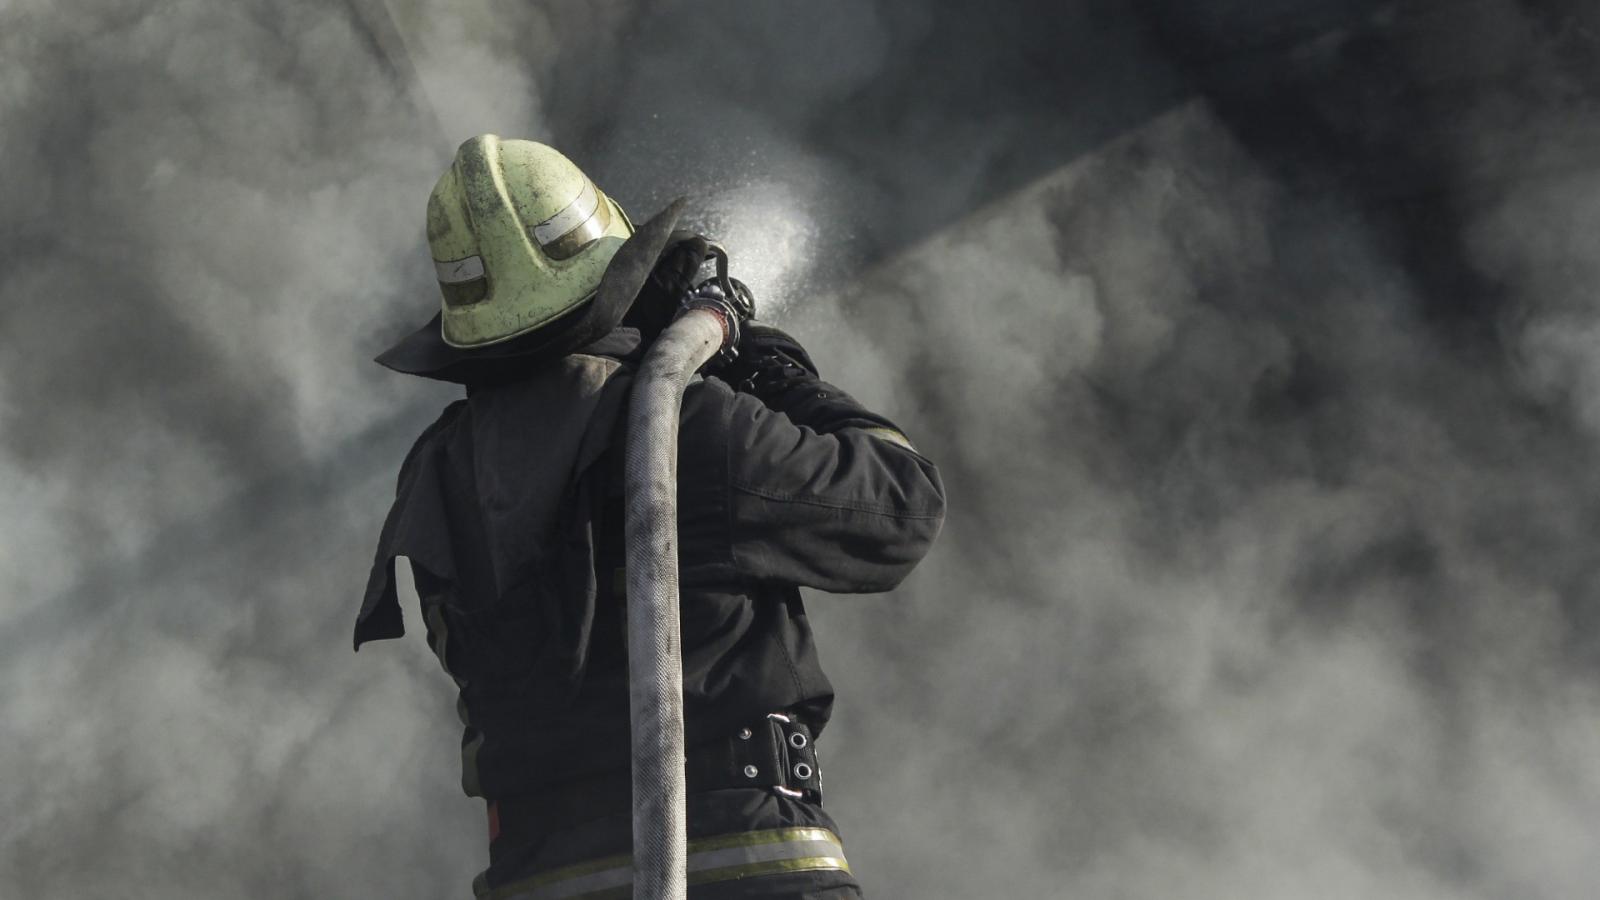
(778, 720)
(792, 741)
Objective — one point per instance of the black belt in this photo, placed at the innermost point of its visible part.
(776, 752)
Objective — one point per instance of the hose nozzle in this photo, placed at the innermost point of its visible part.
(729, 298)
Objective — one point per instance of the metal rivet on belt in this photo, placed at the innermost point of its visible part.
(802, 771)
(744, 734)
(752, 771)
(797, 740)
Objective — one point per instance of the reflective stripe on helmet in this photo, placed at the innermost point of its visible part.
(591, 230)
(462, 281)
(576, 213)
(457, 271)
(721, 858)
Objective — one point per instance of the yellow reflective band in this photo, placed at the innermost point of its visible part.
(770, 836)
(892, 436)
(771, 867)
(720, 858)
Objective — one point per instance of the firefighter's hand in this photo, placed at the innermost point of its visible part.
(674, 273)
(669, 281)
(760, 339)
(769, 362)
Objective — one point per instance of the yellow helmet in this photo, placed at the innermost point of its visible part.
(520, 237)
(533, 261)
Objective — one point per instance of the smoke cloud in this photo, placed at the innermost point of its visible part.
(1269, 446)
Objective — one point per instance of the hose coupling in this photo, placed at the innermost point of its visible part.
(709, 296)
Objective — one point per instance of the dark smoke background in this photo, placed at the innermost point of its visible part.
(1255, 340)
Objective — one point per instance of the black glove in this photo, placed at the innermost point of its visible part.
(672, 278)
(770, 361)
(773, 367)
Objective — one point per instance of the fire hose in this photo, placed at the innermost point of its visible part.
(708, 326)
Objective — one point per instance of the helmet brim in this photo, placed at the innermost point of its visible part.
(424, 352)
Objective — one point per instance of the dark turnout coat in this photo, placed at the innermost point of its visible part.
(509, 510)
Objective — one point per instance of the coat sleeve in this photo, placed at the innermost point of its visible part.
(414, 528)
(822, 493)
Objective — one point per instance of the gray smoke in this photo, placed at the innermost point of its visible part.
(1267, 570)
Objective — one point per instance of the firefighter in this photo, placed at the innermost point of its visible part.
(509, 510)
